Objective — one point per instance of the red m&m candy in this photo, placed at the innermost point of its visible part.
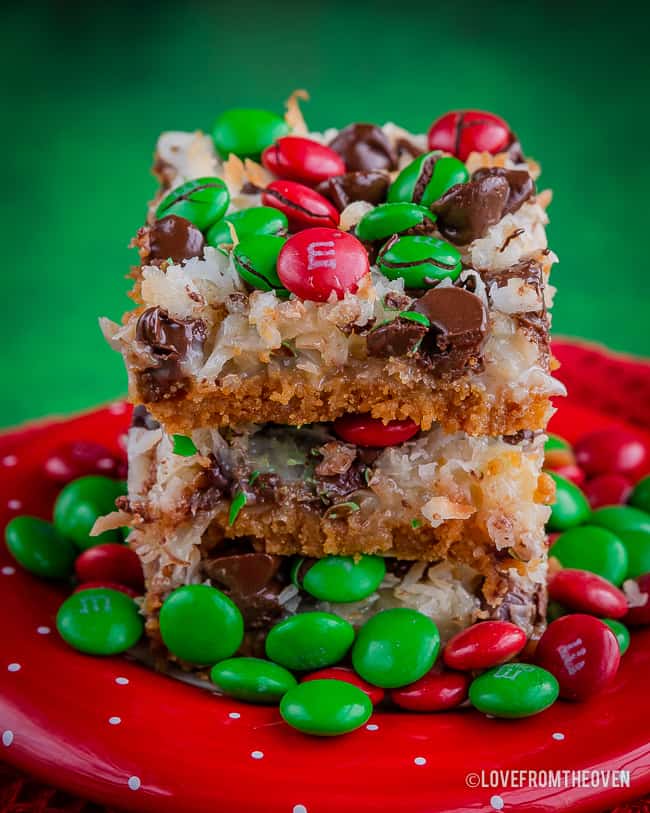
(110, 562)
(587, 592)
(613, 450)
(301, 159)
(436, 691)
(571, 472)
(466, 131)
(317, 262)
(344, 673)
(362, 430)
(640, 616)
(582, 652)
(78, 459)
(303, 207)
(483, 645)
(607, 489)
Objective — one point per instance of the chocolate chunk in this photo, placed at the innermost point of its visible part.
(174, 238)
(401, 337)
(342, 190)
(364, 146)
(252, 581)
(333, 488)
(466, 211)
(458, 327)
(522, 436)
(169, 342)
(142, 418)
(521, 186)
(528, 271)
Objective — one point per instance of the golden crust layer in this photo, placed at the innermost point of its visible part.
(293, 399)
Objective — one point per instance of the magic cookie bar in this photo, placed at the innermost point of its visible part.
(292, 277)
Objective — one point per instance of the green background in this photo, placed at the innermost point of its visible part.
(88, 89)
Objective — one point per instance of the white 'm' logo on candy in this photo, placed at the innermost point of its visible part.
(95, 604)
(511, 671)
(317, 251)
(569, 653)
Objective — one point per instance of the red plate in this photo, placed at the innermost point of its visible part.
(109, 730)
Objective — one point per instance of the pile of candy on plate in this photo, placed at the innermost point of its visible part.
(326, 675)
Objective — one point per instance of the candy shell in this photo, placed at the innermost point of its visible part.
(309, 641)
(581, 652)
(110, 562)
(246, 132)
(640, 496)
(99, 621)
(347, 675)
(202, 201)
(81, 503)
(79, 458)
(302, 159)
(514, 690)
(303, 207)
(637, 545)
(437, 691)
(582, 591)
(618, 518)
(252, 679)
(462, 132)
(362, 430)
(592, 548)
(340, 579)
(613, 450)
(638, 616)
(621, 632)
(325, 708)
(38, 547)
(484, 645)
(570, 507)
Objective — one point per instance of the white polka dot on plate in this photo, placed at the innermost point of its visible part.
(122, 681)
(43, 630)
(7, 738)
(14, 667)
(234, 715)
(257, 754)
(14, 505)
(372, 727)
(114, 720)
(134, 782)
(558, 735)
(496, 802)
(9, 460)
(299, 809)
(420, 761)
(8, 570)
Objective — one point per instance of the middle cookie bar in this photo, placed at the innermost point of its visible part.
(476, 501)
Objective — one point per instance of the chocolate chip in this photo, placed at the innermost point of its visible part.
(401, 337)
(142, 418)
(174, 238)
(466, 211)
(335, 487)
(169, 341)
(342, 190)
(426, 173)
(521, 186)
(522, 436)
(252, 581)
(458, 325)
(364, 146)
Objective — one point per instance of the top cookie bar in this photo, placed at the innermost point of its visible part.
(291, 277)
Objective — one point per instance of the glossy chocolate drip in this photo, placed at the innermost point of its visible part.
(342, 190)
(466, 211)
(364, 147)
(521, 186)
(174, 238)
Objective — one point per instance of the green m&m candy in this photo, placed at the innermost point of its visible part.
(514, 690)
(256, 260)
(619, 518)
(592, 548)
(419, 260)
(640, 496)
(80, 503)
(339, 578)
(395, 647)
(252, 679)
(427, 178)
(40, 548)
(247, 223)
(202, 202)
(621, 632)
(200, 624)
(637, 545)
(99, 621)
(309, 641)
(326, 707)
(392, 218)
(570, 508)
(247, 131)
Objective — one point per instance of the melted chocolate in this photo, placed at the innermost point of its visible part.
(174, 238)
(364, 147)
(466, 211)
(169, 341)
(521, 186)
(401, 337)
(142, 419)
(342, 190)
